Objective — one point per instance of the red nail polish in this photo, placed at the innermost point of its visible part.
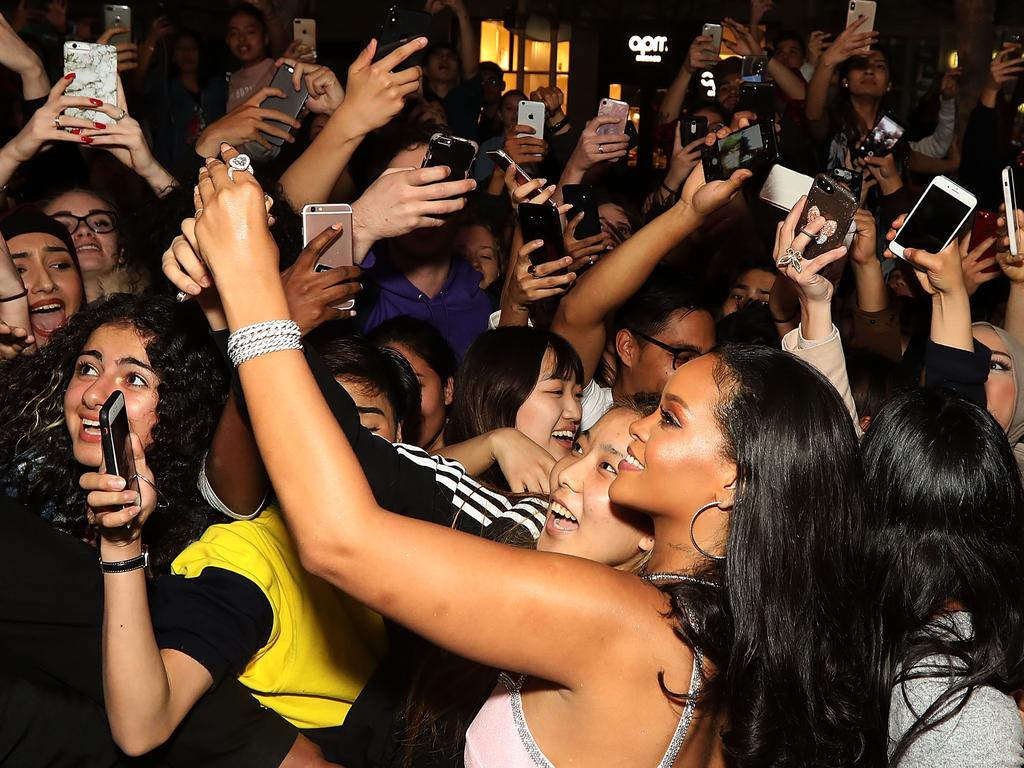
(76, 131)
(69, 76)
(87, 140)
(100, 125)
(96, 102)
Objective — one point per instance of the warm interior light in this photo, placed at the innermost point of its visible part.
(615, 91)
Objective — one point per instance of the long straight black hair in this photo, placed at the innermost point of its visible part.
(946, 522)
(781, 619)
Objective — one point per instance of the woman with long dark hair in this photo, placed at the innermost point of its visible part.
(520, 377)
(946, 542)
(750, 471)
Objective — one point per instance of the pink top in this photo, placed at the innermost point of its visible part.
(500, 738)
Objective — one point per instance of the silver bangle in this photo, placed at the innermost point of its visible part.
(262, 339)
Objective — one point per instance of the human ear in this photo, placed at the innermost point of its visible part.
(625, 349)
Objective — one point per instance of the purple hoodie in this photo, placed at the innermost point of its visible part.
(460, 310)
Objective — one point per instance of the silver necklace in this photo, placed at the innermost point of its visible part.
(653, 577)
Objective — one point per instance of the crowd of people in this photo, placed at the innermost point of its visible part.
(679, 495)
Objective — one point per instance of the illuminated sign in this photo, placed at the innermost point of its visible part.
(707, 82)
(648, 48)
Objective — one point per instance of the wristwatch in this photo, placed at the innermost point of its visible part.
(123, 566)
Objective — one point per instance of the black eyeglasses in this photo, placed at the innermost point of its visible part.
(680, 355)
(100, 222)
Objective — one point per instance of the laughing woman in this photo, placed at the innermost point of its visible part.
(775, 650)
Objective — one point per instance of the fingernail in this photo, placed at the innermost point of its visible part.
(336, 226)
(117, 483)
(87, 140)
(194, 289)
(224, 145)
(205, 282)
(76, 131)
(100, 125)
(69, 76)
(96, 102)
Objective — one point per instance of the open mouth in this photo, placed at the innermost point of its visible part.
(564, 437)
(560, 519)
(47, 317)
(630, 463)
(90, 431)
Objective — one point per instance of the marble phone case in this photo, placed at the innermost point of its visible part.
(95, 68)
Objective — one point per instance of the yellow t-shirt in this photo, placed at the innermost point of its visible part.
(323, 646)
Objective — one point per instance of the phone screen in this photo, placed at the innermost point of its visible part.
(541, 222)
(741, 149)
(935, 220)
(885, 134)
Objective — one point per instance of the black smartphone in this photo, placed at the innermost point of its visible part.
(581, 198)
(115, 437)
(691, 128)
(752, 147)
(400, 27)
(852, 180)
(634, 137)
(758, 98)
(457, 153)
(882, 138)
(291, 104)
(836, 204)
(501, 159)
(541, 222)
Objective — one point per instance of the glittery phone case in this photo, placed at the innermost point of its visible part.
(95, 68)
(837, 204)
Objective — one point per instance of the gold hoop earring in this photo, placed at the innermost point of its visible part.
(698, 513)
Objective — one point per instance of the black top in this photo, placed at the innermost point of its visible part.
(959, 370)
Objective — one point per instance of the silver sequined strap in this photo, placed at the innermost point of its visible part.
(691, 704)
(513, 687)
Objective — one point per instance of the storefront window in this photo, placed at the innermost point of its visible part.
(501, 46)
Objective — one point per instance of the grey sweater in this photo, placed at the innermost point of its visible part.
(986, 733)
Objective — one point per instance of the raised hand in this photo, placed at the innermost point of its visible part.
(978, 268)
(526, 149)
(805, 274)
(127, 53)
(1004, 67)
(553, 100)
(683, 160)
(863, 248)
(594, 148)
(18, 57)
(118, 511)
(525, 465)
(325, 92)
(376, 94)
(950, 85)
(313, 296)
(1012, 266)
(402, 200)
(586, 251)
(247, 122)
(851, 42)
(700, 56)
(816, 45)
(938, 273)
(531, 283)
(704, 197)
(745, 43)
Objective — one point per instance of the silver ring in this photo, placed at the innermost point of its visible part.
(56, 121)
(600, 147)
(240, 162)
(181, 297)
(791, 258)
(123, 115)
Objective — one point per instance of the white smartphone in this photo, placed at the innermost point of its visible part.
(531, 113)
(858, 8)
(1011, 203)
(118, 16)
(784, 187)
(304, 30)
(316, 217)
(937, 217)
(95, 68)
(714, 31)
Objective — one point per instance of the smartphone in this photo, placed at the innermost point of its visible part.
(852, 180)
(501, 159)
(1013, 40)
(758, 98)
(291, 104)
(983, 228)
(882, 138)
(581, 198)
(613, 108)
(118, 16)
(304, 30)
(1011, 202)
(400, 27)
(751, 147)
(115, 437)
(316, 217)
(95, 68)
(457, 153)
(858, 8)
(784, 187)
(532, 113)
(714, 31)
(936, 218)
(752, 69)
(836, 204)
(692, 128)
(542, 222)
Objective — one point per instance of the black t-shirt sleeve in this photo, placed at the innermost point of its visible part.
(219, 618)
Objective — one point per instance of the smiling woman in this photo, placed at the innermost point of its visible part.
(44, 256)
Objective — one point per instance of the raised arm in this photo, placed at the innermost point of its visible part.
(375, 95)
(1013, 268)
(698, 57)
(850, 42)
(18, 57)
(15, 329)
(411, 571)
(746, 44)
(609, 283)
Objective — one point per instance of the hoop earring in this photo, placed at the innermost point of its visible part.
(693, 541)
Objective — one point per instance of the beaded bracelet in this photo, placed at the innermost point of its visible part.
(262, 339)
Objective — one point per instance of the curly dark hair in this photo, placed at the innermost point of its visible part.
(36, 450)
